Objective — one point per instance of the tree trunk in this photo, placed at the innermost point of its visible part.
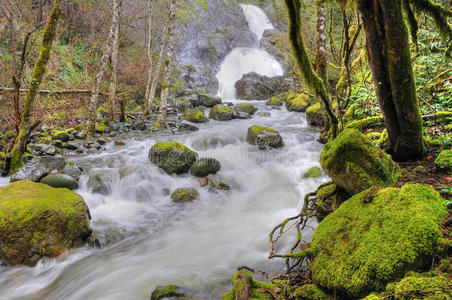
(35, 82)
(320, 56)
(149, 46)
(100, 74)
(390, 62)
(161, 118)
(114, 74)
(311, 79)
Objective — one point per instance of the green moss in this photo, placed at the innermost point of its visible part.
(376, 237)
(166, 292)
(365, 124)
(171, 145)
(351, 114)
(29, 210)
(437, 286)
(274, 101)
(257, 129)
(355, 164)
(313, 172)
(315, 115)
(310, 292)
(221, 112)
(246, 287)
(444, 161)
(100, 127)
(245, 107)
(264, 137)
(299, 102)
(184, 195)
(173, 157)
(195, 116)
(183, 105)
(374, 136)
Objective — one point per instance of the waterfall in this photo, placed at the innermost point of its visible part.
(245, 60)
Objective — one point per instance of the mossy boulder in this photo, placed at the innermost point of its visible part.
(264, 137)
(195, 116)
(315, 115)
(59, 180)
(416, 285)
(221, 112)
(246, 108)
(205, 166)
(208, 100)
(375, 237)
(355, 164)
(246, 287)
(172, 157)
(310, 292)
(184, 195)
(37, 221)
(366, 124)
(62, 135)
(167, 291)
(183, 105)
(313, 172)
(274, 101)
(100, 127)
(444, 161)
(299, 102)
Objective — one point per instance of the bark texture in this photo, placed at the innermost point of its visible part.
(149, 50)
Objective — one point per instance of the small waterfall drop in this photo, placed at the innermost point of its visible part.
(245, 60)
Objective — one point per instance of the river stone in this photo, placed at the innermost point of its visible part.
(264, 137)
(195, 116)
(208, 100)
(184, 126)
(274, 101)
(38, 221)
(205, 166)
(49, 150)
(221, 113)
(172, 157)
(299, 102)
(355, 164)
(246, 108)
(313, 172)
(37, 168)
(59, 180)
(184, 195)
(72, 170)
(63, 136)
(253, 86)
(168, 292)
(100, 182)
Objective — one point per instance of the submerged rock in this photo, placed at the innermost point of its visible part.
(195, 116)
(172, 157)
(355, 164)
(375, 237)
(38, 221)
(184, 195)
(59, 180)
(221, 113)
(205, 166)
(264, 137)
(37, 168)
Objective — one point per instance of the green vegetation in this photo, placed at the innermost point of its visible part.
(195, 116)
(444, 161)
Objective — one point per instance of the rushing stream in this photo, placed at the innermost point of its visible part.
(148, 240)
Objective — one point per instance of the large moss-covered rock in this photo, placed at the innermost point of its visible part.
(195, 116)
(444, 161)
(205, 166)
(184, 195)
(299, 102)
(246, 108)
(264, 137)
(416, 286)
(37, 220)
(221, 113)
(315, 115)
(375, 237)
(208, 100)
(355, 164)
(172, 157)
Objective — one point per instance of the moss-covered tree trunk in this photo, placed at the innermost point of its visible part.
(389, 59)
(114, 75)
(103, 65)
(310, 78)
(320, 56)
(39, 70)
(161, 117)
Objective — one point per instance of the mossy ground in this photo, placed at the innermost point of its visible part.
(375, 237)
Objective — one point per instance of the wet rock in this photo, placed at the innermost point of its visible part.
(205, 166)
(264, 137)
(313, 172)
(172, 157)
(241, 115)
(80, 135)
(221, 113)
(299, 102)
(59, 180)
(207, 100)
(58, 144)
(274, 101)
(59, 221)
(72, 170)
(63, 136)
(168, 292)
(37, 168)
(73, 145)
(253, 86)
(355, 164)
(215, 182)
(246, 108)
(184, 126)
(119, 143)
(184, 195)
(195, 116)
(48, 150)
(100, 182)
(101, 141)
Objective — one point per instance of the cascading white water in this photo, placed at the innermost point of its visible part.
(245, 60)
(150, 241)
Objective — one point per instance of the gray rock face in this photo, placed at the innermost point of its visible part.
(253, 86)
(207, 100)
(37, 168)
(59, 180)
